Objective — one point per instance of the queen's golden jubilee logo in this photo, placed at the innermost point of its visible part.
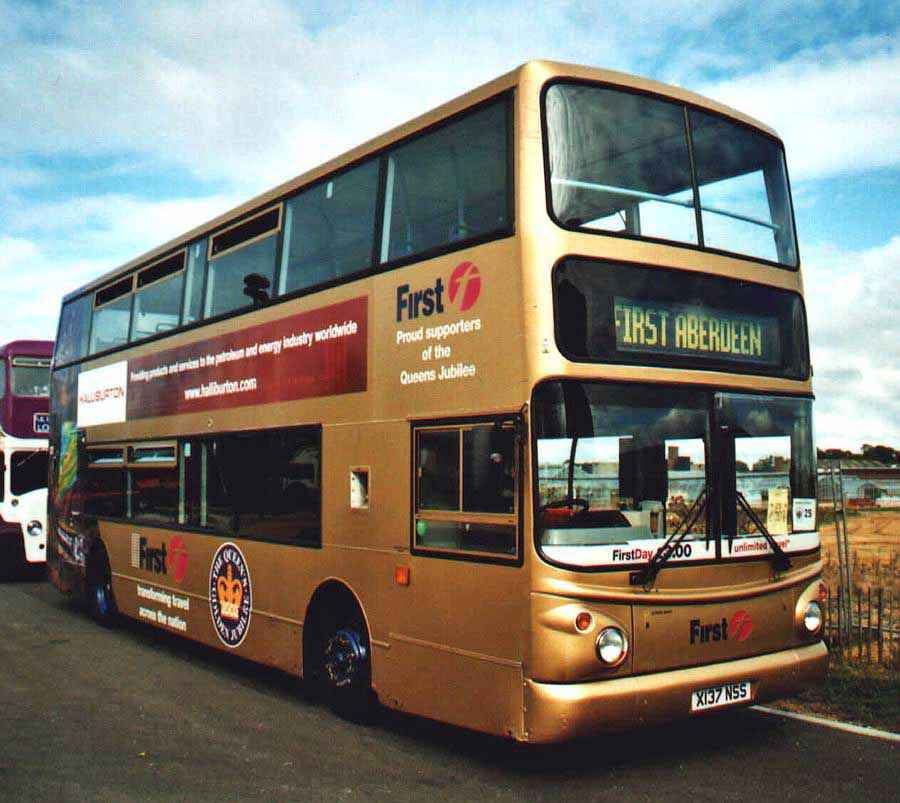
(230, 601)
(230, 595)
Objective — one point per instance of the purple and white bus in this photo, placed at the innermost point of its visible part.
(24, 427)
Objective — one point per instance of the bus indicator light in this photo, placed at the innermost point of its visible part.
(583, 622)
(401, 575)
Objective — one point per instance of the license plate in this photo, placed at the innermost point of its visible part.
(717, 696)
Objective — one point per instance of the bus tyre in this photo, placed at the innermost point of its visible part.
(347, 670)
(100, 601)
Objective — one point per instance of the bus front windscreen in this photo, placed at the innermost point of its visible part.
(30, 377)
(620, 468)
(634, 164)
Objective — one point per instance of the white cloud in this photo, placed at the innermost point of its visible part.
(855, 341)
(838, 111)
(257, 95)
(100, 233)
(115, 222)
(32, 285)
(253, 95)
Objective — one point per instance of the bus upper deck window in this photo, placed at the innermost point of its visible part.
(448, 185)
(112, 315)
(157, 298)
(329, 229)
(236, 253)
(74, 327)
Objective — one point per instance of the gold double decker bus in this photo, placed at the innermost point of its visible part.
(503, 418)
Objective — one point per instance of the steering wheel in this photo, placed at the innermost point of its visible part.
(562, 503)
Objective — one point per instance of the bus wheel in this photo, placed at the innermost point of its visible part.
(347, 669)
(100, 601)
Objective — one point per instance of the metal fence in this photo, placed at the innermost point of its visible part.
(862, 620)
(871, 634)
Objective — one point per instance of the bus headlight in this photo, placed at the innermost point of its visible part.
(611, 646)
(35, 528)
(812, 618)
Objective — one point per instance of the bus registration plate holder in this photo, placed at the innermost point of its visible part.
(718, 696)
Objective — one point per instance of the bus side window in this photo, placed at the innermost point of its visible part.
(489, 469)
(236, 253)
(329, 229)
(447, 186)
(152, 493)
(258, 485)
(157, 297)
(190, 460)
(467, 489)
(74, 328)
(104, 488)
(438, 470)
(112, 315)
(193, 284)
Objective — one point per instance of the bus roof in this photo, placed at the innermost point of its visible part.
(535, 72)
(31, 348)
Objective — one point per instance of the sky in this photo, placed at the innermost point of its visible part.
(126, 124)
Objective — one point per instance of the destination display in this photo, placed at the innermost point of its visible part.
(623, 313)
(694, 331)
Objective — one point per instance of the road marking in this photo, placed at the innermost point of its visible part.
(860, 730)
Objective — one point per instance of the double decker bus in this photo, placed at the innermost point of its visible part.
(24, 429)
(503, 418)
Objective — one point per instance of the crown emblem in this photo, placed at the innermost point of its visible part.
(230, 595)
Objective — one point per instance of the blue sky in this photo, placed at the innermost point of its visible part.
(126, 124)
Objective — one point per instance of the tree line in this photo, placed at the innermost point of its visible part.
(883, 454)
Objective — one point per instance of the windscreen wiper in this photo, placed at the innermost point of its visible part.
(646, 576)
(780, 560)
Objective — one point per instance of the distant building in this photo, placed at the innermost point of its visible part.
(672, 457)
(867, 483)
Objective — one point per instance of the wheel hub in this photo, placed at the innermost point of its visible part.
(345, 655)
(102, 599)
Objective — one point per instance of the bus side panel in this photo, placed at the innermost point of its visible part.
(453, 687)
(171, 589)
(456, 650)
(443, 626)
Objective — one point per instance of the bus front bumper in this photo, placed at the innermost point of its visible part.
(560, 711)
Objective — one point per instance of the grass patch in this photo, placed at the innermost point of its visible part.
(863, 695)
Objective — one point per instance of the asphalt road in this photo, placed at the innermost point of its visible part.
(132, 713)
